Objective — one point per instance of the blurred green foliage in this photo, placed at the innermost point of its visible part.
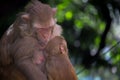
(83, 27)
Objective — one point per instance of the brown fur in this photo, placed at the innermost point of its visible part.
(26, 55)
(37, 10)
(21, 47)
(58, 65)
(10, 72)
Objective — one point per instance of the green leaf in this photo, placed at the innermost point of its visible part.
(69, 15)
(78, 24)
(61, 7)
(97, 41)
(102, 26)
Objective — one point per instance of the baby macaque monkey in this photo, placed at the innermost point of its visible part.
(58, 65)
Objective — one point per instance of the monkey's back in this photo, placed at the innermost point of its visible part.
(59, 67)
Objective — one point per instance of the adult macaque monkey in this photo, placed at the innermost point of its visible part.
(22, 45)
(58, 65)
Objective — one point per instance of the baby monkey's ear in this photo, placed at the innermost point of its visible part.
(62, 49)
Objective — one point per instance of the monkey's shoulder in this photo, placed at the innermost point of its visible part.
(26, 41)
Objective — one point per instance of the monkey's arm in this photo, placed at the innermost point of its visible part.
(5, 42)
(30, 70)
(23, 54)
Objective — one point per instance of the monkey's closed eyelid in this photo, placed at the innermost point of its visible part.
(47, 28)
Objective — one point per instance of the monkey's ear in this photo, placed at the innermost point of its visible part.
(62, 49)
(25, 17)
(54, 11)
